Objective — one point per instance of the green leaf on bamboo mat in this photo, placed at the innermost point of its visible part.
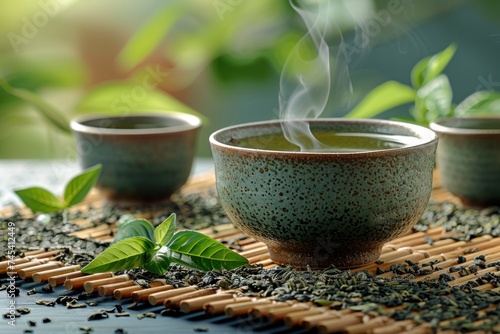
(135, 228)
(165, 231)
(125, 254)
(196, 250)
(158, 261)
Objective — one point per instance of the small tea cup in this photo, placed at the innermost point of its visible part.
(468, 159)
(145, 157)
(324, 208)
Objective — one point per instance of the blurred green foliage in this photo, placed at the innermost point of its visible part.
(218, 58)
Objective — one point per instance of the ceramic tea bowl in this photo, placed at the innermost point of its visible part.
(468, 159)
(145, 157)
(323, 208)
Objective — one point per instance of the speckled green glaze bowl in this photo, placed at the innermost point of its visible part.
(145, 157)
(468, 159)
(324, 208)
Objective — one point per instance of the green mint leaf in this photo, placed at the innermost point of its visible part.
(158, 261)
(135, 228)
(126, 254)
(165, 231)
(40, 200)
(198, 251)
(430, 67)
(80, 185)
(388, 95)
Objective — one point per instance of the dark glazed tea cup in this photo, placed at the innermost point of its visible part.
(145, 157)
(324, 208)
(468, 159)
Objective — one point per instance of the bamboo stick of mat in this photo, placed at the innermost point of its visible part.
(234, 310)
(77, 283)
(160, 297)
(109, 289)
(278, 314)
(126, 292)
(174, 301)
(143, 295)
(260, 311)
(295, 317)
(310, 321)
(217, 307)
(60, 279)
(197, 303)
(43, 276)
(93, 285)
(332, 325)
(24, 265)
(27, 272)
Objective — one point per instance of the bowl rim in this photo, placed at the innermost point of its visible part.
(428, 137)
(190, 121)
(445, 126)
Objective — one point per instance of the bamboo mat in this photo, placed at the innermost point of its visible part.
(414, 246)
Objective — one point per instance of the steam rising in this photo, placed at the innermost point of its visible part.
(305, 79)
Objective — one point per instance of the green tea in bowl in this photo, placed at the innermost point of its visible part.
(369, 182)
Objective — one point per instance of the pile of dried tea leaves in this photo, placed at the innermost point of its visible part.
(430, 301)
(467, 223)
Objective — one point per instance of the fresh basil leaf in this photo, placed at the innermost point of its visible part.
(435, 99)
(80, 185)
(198, 251)
(158, 261)
(135, 228)
(480, 103)
(126, 254)
(388, 95)
(164, 232)
(430, 67)
(48, 111)
(40, 200)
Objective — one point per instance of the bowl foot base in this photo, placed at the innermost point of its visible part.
(318, 257)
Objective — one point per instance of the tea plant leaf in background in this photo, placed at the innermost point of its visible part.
(478, 103)
(42, 200)
(114, 98)
(430, 67)
(188, 248)
(48, 111)
(386, 96)
(431, 94)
